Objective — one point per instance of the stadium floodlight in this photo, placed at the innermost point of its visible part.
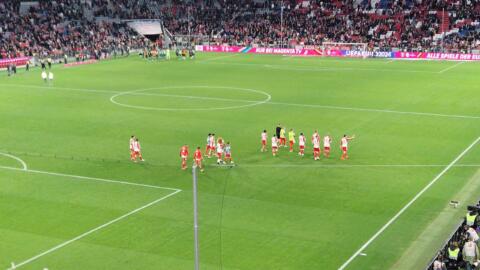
(195, 216)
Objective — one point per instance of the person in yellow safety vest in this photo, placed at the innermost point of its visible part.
(453, 251)
(470, 218)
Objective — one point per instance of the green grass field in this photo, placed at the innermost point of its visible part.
(71, 199)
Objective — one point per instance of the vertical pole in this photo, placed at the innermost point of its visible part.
(195, 216)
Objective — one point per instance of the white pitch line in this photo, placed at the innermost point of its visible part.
(24, 164)
(451, 67)
(88, 178)
(92, 231)
(394, 218)
(349, 165)
(373, 110)
(277, 103)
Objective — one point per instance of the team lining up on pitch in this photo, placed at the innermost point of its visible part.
(224, 152)
(279, 139)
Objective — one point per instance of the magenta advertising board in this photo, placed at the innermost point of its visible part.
(437, 56)
(340, 53)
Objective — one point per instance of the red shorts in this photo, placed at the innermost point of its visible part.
(344, 149)
(302, 147)
(292, 142)
(283, 140)
(219, 155)
(228, 155)
(136, 152)
(327, 148)
(274, 148)
(316, 149)
(264, 142)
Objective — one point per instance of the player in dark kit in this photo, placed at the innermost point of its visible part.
(277, 131)
(49, 62)
(42, 63)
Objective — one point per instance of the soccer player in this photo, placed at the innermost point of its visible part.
(220, 151)
(198, 158)
(50, 77)
(212, 145)
(167, 54)
(326, 145)
(264, 141)
(228, 153)
(344, 145)
(184, 156)
(283, 139)
(274, 146)
(277, 130)
(301, 143)
(44, 76)
(316, 146)
(138, 151)
(132, 142)
(291, 139)
(207, 149)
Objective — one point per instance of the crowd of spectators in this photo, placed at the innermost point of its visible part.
(69, 26)
(58, 28)
(462, 250)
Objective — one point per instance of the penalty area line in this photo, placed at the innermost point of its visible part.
(394, 218)
(53, 249)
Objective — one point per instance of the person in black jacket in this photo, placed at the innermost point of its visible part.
(277, 131)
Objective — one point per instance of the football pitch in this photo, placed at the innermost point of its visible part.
(70, 198)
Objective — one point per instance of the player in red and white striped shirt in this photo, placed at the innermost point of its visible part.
(344, 145)
(184, 156)
(197, 156)
(301, 143)
(264, 141)
(326, 145)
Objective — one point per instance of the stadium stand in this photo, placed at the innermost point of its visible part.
(69, 26)
(461, 250)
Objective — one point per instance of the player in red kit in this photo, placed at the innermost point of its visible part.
(198, 158)
(264, 141)
(184, 156)
(344, 145)
(207, 148)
